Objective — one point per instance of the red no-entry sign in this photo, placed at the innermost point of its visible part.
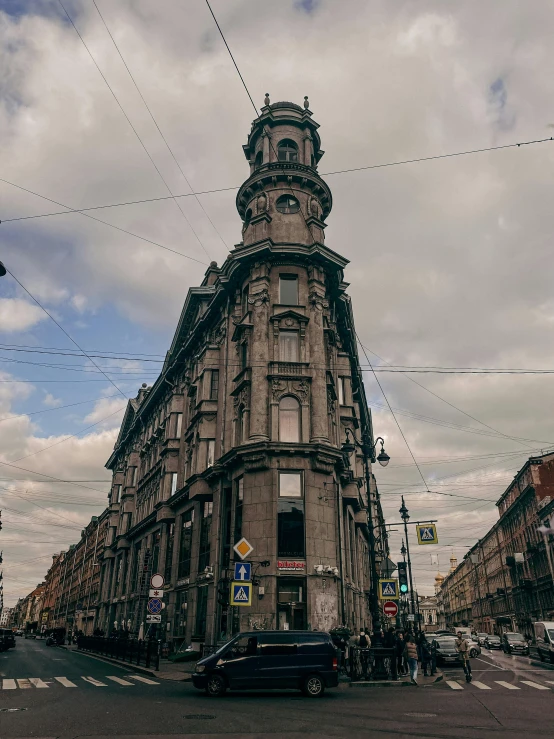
(390, 608)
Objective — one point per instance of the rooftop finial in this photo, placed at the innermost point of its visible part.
(266, 99)
(306, 102)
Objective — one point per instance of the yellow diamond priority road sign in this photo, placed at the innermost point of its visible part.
(243, 548)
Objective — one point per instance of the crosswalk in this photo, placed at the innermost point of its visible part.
(27, 683)
(521, 685)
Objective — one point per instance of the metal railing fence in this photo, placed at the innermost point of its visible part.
(135, 651)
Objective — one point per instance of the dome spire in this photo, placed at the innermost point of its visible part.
(266, 99)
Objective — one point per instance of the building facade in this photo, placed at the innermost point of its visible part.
(505, 582)
(241, 434)
(6, 617)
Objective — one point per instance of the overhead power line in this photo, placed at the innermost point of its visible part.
(110, 88)
(56, 408)
(237, 187)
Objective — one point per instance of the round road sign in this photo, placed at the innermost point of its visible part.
(157, 581)
(390, 608)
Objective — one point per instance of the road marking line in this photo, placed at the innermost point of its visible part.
(534, 685)
(507, 685)
(94, 681)
(65, 682)
(118, 680)
(144, 680)
(481, 686)
(9, 684)
(453, 685)
(23, 683)
(37, 682)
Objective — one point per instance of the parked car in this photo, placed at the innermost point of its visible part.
(19, 632)
(7, 640)
(480, 638)
(544, 636)
(493, 642)
(474, 647)
(29, 635)
(447, 654)
(263, 660)
(514, 643)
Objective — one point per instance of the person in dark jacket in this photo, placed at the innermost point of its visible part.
(424, 652)
(401, 663)
(390, 638)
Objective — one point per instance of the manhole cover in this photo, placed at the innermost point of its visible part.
(11, 710)
(199, 716)
(415, 714)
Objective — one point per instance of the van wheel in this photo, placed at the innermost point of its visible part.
(313, 686)
(216, 686)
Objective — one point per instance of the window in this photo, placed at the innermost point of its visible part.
(244, 300)
(169, 551)
(341, 390)
(277, 645)
(201, 610)
(241, 431)
(247, 217)
(290, 516)
(192, 403)
(116, 493)
(178, 425)
(244, 355)
(259, 159)
(288, 346)
(238, 509)
(133, 476)
(185, 545)
(287, 204)
(226, 526)
(181, 605)
(135, 574)
(210, 456)
(244, 646)
(205, 531)
(173, 483)
(156, 539)
(288, 289)
(289, 420)
(287, 151)
(214, 384)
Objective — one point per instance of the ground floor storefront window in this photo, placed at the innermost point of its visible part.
(291, 603)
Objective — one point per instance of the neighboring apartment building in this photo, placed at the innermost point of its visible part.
(506, 581)
(241, 434)
(6, 617)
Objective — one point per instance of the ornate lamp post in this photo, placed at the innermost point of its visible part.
(405, 518)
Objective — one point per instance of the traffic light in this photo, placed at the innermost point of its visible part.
(223, 592)
(403, 576)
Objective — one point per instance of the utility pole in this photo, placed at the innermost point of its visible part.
(405, 518)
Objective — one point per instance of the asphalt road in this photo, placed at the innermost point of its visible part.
(69, 695)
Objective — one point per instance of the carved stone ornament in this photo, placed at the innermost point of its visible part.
(331, 403)
(241, 398)
(262, 202)
(314, 207)
(258, 299)
(219, 333)
(317, 301)
(289, 322)
(278, 387)
(302, 388)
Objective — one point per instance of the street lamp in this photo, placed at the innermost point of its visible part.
(2, 270)
(405, 518)
(368, 450)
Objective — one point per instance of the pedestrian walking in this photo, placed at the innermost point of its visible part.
(390, 638)
(462, 647)
(424, 650)
(401, 661)
(410, 652)
(433, 644)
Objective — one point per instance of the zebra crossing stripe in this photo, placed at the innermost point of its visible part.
(118, 680)
(453, 685)
(38, 683)
(8, 684)
(480, 685)
(65, 682)
(94, 682)
(507, 685)
(144, 680)
(24, 684)
(534, 685)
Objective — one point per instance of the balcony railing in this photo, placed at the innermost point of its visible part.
(288, 368)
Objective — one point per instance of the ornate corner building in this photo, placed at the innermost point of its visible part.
(241, 434)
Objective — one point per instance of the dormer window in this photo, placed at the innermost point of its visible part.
(287, 151)
(287, 204)
(288, 289)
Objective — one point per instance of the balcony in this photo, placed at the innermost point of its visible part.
(288, 369)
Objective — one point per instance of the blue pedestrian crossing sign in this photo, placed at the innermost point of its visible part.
(241, 593)
(427, 533)
(388, 589)
(243, 571)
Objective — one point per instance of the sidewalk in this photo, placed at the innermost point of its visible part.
(179, 672)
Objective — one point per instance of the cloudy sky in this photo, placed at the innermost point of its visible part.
(451, 259)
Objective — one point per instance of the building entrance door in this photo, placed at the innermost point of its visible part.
(291, 606)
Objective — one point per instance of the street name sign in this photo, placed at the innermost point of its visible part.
(410, 617)
(243, 548)
(241, 593)
(427, 533)
(390, 608)
(243, 571)
(154, 606)
(388, 589)
(156, 593)
(151, 619)
(157, 581)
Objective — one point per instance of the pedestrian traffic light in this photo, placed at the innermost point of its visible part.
(402, 577)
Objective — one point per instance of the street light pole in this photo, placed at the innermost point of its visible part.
(405, 518)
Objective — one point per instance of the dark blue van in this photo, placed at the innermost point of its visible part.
(262, 660)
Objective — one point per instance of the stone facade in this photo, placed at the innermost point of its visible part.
(241, 434)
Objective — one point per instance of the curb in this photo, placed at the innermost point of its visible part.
(127, 665)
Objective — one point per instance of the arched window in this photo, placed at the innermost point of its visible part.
(247, 217)
(289, 420)
(287, 204)
(259, 159)
(287, 151)
(241, 431)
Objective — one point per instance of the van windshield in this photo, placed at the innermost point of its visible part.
(551, 634)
